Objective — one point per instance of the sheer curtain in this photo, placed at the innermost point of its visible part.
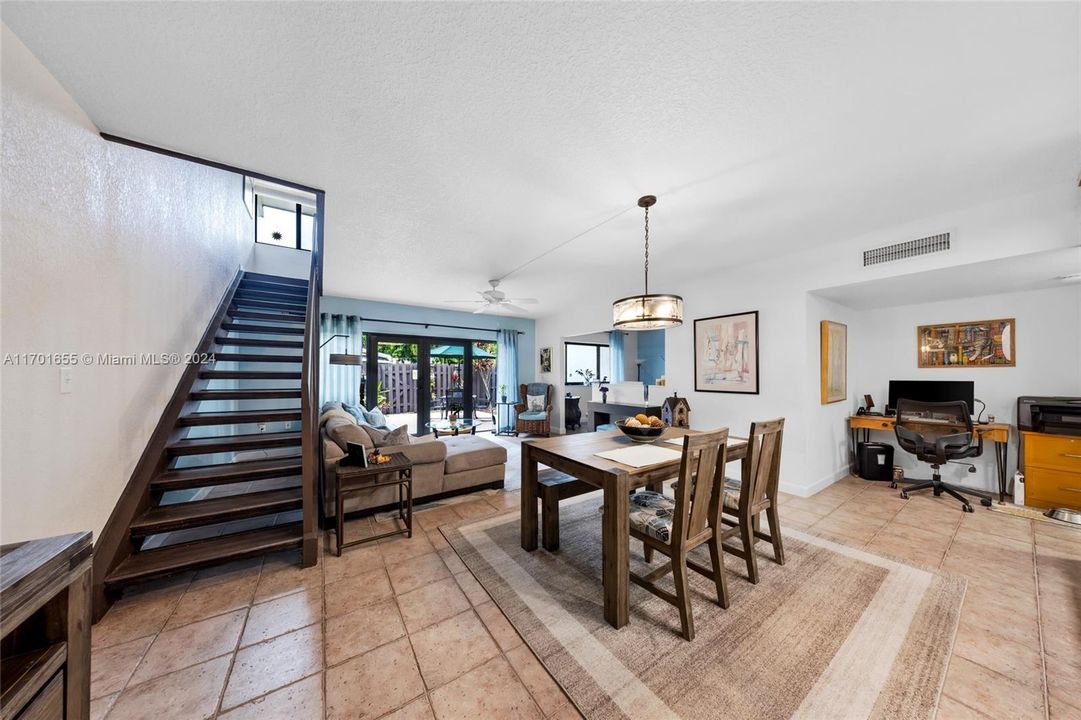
(615, 345)
(506, 369)
(339, 382)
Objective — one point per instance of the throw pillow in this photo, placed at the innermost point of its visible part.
(535, 403)
(330, 405)
(356, 411)
(343, 432)
(382, 438)
(375, 418)
(336, 413)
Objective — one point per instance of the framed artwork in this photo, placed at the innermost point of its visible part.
(546, 360)
(726, 353)
(983, 343)
(834, 361)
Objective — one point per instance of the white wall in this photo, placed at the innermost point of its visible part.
(585, 392)
(815, 451)
(1047, 361)
(828, 451)
(106, 249)
(281, 261)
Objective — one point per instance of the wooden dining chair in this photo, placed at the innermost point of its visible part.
(746, 499)
(675, 526)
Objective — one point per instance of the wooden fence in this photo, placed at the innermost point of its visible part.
(400, 388)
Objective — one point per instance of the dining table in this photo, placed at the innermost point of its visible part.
(576, 455)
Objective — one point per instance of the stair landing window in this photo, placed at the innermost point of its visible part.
(283, 223)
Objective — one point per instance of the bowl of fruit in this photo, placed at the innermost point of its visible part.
(642, 428)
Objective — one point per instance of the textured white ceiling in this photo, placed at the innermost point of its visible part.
(1034, 271)
(457, 140)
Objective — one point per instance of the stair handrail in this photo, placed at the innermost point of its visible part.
(309, 394)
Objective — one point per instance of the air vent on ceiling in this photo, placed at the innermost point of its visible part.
(909, 249)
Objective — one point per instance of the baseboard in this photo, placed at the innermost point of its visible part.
(815, 487)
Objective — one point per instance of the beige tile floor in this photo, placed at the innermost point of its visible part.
(400, 629)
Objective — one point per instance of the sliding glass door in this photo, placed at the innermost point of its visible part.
(417, 380)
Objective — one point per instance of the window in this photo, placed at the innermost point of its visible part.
(585, 362)
(282, 223)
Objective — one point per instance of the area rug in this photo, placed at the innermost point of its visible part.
(835, 633)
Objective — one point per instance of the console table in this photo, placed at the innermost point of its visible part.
(353, 479)
(45, 626)
(603, 412)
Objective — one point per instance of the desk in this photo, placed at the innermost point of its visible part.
(576, 456)
(860, 427)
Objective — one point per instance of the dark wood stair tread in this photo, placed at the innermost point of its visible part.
(262, 329)
(161, 562)
(297, 307)
(180, 516)
(230, 443)
(236, 417)
(263, 277)
(257, 315)
(271, 295)
(248, 375)
(256, 357)
(225, 473)
(258, 342)
(274, 287)
(244, 394)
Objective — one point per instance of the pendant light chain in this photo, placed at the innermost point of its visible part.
(647, 251)
(646, 311)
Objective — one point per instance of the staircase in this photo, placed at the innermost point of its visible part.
(229, 481)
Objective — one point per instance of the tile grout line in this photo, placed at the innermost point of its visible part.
(320, 551)
(147, 650)
(239, 638)
(408, 639)
(1039, 625)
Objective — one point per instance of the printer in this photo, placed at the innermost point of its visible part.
(1054, 415)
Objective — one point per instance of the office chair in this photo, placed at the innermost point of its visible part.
(938, 433)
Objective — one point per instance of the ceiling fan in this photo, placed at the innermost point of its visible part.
(496, 298)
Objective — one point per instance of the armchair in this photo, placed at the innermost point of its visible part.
(536, 422)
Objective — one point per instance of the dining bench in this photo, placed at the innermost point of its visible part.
(553, 486)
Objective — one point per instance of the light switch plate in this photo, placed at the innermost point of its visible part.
(65, 381)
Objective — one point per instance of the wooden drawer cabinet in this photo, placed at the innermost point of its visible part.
(1052, 488)
(1052, 470)
(45, 629)
(1057, 452)
(49, 703)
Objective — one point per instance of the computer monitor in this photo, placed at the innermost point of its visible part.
(932, 391)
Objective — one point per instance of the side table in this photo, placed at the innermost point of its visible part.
(352, 480)
(500, 428)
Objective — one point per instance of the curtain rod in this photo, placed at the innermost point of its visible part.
(427, 324)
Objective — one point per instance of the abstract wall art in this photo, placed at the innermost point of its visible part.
(726, 353)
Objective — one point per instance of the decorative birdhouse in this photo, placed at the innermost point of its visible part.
(676, 411)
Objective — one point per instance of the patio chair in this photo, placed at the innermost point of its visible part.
(453, 398)
(535, 421)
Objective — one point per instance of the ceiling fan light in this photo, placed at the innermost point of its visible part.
(647, 312)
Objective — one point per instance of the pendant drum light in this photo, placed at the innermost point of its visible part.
(647, 311)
